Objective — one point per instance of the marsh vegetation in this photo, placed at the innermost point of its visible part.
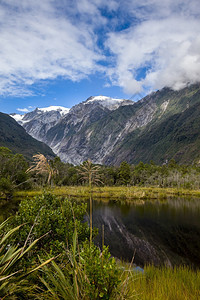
(47, 246)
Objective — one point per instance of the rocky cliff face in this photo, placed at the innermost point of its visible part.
(64, 130)
(108, 130)
(38, 122)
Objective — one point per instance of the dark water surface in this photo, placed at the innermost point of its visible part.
(8, 208)
(153, 232)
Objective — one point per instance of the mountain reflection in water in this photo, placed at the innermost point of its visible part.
(153, 232)
(159, 233)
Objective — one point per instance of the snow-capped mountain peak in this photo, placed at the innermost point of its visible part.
(63, 110)
(103, 98)
(38, 123)
(40, 113)
(110, 103)
(40, 120)
(17, 117)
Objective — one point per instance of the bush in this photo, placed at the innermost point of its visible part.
(58, 217)
(6, 186)
(88, 274)
(101, 271)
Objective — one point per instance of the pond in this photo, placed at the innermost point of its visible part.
(152, 232)
(160, 233)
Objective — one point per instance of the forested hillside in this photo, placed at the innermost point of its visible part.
(14, 136)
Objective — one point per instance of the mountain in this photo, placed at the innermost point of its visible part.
(159, 127)
(177, 137)
(56, 128)
(39, 121)
(173, 132)
(14, 137)
(110, 103)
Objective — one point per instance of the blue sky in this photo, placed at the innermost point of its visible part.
(62, 52)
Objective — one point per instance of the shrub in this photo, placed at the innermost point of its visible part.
(89, 274)
(101, 272)
(58, 217)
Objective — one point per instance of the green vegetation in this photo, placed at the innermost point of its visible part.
(171, 134)
(90, 173)
(142, 181)
(85, 272)
(13, 283)
(89, 274)
(176, 137)
(12, 172)
(117, 193)
(167, 284)
(51, 229)
(58, 217)
(17, 174)
(79, 270)
(14, 136)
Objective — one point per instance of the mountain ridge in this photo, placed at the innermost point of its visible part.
(14, 137)
(109, 136)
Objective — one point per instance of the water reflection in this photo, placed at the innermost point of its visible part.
(151, 231)
(159, 233)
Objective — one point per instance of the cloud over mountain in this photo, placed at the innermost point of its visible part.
(137, 45)
(167, 51)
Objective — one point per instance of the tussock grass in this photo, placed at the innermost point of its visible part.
(180, 283)
(120, 193)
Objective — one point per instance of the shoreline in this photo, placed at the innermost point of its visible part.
(118, 193)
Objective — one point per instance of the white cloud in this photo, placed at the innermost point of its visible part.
(38, 42)
(23, 109)
(43, 40)
(155, 9)
(166, 47)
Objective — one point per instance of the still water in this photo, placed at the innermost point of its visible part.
(151, 232)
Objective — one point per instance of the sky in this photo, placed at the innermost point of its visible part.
(60, 52)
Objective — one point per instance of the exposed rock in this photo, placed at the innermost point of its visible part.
(108, 130)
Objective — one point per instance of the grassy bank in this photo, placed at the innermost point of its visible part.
(117, 193)
(166, 284)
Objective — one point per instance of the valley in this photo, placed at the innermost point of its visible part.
(160, 127)
(127, 170)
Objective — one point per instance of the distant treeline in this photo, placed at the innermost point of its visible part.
(14, 175)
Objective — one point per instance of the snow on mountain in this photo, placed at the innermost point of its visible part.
(110, 103)
(41, 114)
(54, 125)
(103, 98)
(40, 120)
(18, 118)
(63, 110)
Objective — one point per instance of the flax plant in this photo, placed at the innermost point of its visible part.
(12, 278)
(87, 274)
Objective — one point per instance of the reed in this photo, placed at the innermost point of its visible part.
(167, 284)
(119, 193)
